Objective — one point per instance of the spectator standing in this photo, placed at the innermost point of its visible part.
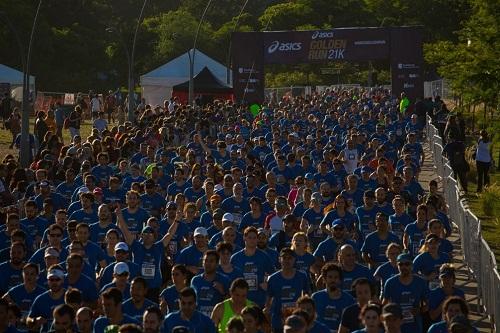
(483, 157)
(59, 118)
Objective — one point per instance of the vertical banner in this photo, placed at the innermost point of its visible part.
(407, 62)
(248, 67)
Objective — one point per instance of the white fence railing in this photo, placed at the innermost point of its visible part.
(478, 256)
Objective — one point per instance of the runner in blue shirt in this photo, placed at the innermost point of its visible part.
(137, 304)
(428, 262)
(400, 219)
(40, 315)
(169, 297)
(409, 291)
(366, 214)
(25, 293)
(375, 244)
(255, 217)
(147, 253)
(415, 232)
(102, 171)
(455, 313)
(211, 287)
(351, 269)
(255, 265)
(192, 255)
(134, 216)
(284, 288)
(11, 270)
(445, 290)
(113, 311)
(121, 250)
(188, 316)
(331, 301)
(151, 201)
(387, 270)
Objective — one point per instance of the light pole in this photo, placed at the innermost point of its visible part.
(24, 154)
(131, 101)
(191, 57)
(228, 57)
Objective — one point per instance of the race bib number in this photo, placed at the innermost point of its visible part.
(407, 314)
(251, 279)
(416, 248)
(237, 218)
(172, 247)
(148, 270)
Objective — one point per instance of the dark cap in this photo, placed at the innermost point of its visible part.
(404, 257)
(392, 309)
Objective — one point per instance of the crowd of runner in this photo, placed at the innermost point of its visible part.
(308, 217)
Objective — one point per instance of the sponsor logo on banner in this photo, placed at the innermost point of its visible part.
(322, 34)
(284, 47)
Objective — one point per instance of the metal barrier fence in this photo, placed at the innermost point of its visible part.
(478, 257)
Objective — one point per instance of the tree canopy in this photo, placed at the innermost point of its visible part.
(83, 44)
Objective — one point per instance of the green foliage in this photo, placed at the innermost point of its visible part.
(73, 51)
(489, 200)
(472, 64)
(285, 16)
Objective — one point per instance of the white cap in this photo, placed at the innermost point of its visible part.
(51, 252)
(228, 217)
(120, 268)
(55, 272)
(200, 231)
(121, 246)
(309, 137)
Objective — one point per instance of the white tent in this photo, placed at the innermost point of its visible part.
(15, 79)
(157, 84)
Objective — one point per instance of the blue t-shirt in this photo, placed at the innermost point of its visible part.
(190, 256)
(22, 298)
(149, 261)
(86, 286)
(359, 271)
(399, 223)
(249, 221)
(437, 296)
(385, 272)
(153, 203)
(425, 264)
(102, 322)
(129, 308)
(254, 268)
(285, 293)
(327, 249)
(135, 221)
(81, 216)
(376, 247)
(11, 277)
(98, 233)
(206, 295)
(107, 273)
(43, 306)
(415, 235)
(366, 219)
(233, 275)
(329, 310)
(171, 296)
(198, 323)
(238, 209)
(314, 219)
(408, 297)
(442, 327)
